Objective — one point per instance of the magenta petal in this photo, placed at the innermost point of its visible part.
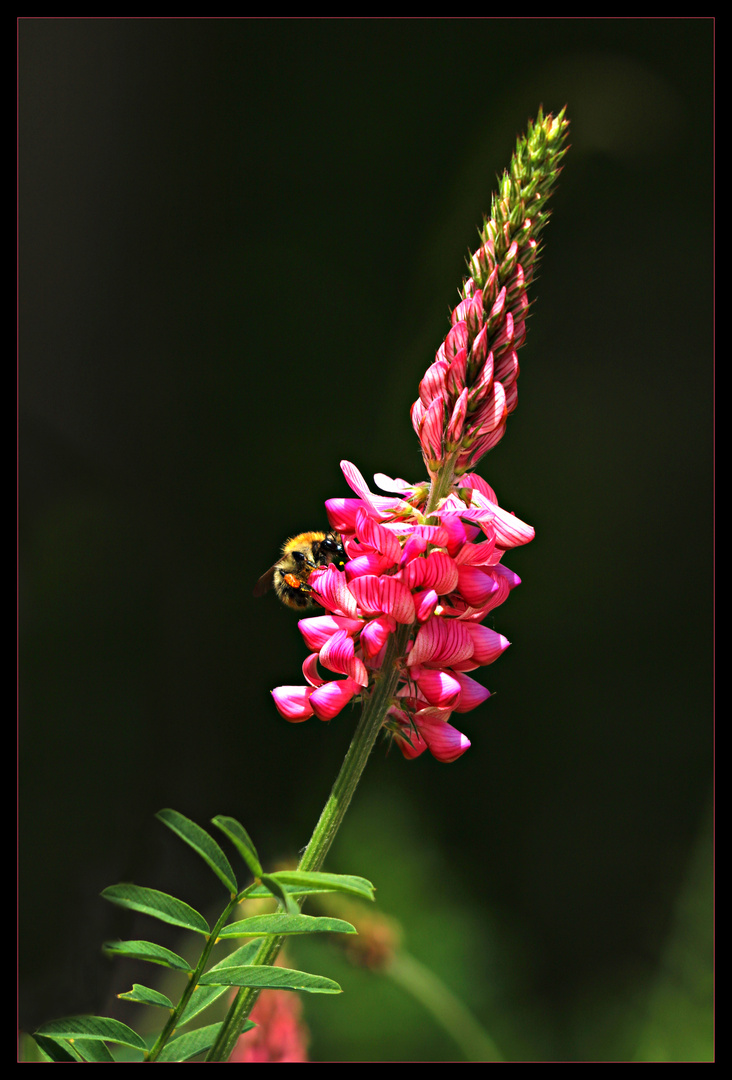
(488, 645)
(440, 688)
(338, 654)
(425, 604)
(310, 670)
(367, 591)
(472, 693)
(316, 631)
(475, 586)
(342, 513)
(328, 700)
(445, 742)
(331, 590)
(441, 642)
(397, 601)
(373, 535)
(375, 634)
(293, 702)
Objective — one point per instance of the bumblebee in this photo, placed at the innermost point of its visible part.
(300, 556)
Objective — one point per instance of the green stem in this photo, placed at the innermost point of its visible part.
(174, 1018)
(370, 724)
(475, 1043)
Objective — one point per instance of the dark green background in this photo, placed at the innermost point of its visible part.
(239, 244)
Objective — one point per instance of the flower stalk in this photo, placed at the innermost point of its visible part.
(403, 619)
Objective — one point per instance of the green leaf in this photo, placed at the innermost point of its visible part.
(92, 1027)
(279, 891)
(202, 843)
(56, 1051)
(192, 1043)
(279, 923)
(92, 1050)
(75, 1050)
(302, 882)
(203, 996)
(147, 950)
(241, 840)
(243, 955)
(146, 996)
(276, 978)
(158, 904)
(200, 999)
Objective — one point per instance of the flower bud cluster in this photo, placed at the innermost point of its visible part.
(437, 578)
(467, 393)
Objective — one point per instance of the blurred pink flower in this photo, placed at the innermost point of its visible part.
(280, 1034)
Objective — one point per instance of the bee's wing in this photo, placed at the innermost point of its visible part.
(265, 582)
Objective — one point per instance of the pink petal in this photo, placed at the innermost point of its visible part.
(375, 634)
(375, 536)
(425, 604)
(331, 590)
(472, 693)
(338, 654)
(293, 702)
(328, 700)
(310, 670)
(441, 642)
(445, 742)
(487, 644)
(439, 687)
(317, 630)
(475, 586)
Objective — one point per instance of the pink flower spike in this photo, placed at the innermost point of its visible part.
(328, 700)
(293, 702)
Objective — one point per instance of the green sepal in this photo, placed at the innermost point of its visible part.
(144, 995)
(91, 1028)
(203, 844)
(158, 904)
(241, 840)
(303, 882)
(274, 978)
(149, 951)
(279, 923)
